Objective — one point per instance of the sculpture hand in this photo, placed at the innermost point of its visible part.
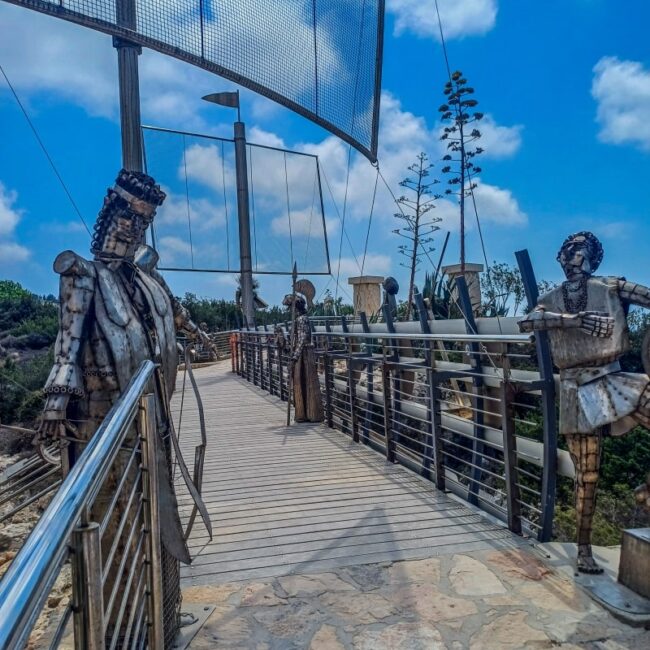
(596, 324)
(50, 431)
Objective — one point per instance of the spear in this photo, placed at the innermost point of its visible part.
(292, 335)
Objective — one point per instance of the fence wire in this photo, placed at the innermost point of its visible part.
(320, 58)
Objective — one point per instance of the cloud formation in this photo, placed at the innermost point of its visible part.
(622, 93)
(10, 251)
(459, 18)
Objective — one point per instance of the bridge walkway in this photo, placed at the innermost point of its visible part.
(305, 498)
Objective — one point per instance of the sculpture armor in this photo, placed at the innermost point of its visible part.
(115, 312)
(306, 387)
(587, 329)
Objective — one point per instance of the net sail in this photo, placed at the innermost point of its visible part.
(196, 228)
(320, 58)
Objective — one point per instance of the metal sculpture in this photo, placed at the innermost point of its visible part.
(304, 375)
(115, 312)
(587, 329)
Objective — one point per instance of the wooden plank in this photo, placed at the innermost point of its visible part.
(305, 498)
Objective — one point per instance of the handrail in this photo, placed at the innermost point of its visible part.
(409, 336)
(27, 583)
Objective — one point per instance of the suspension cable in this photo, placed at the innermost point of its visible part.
(187, 201)
(45, 151)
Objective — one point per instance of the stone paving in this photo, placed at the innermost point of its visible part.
(496, 599)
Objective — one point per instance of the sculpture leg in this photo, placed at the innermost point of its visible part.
(300, 414)
(585, 450)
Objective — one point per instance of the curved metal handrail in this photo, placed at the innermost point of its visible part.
(27, 583)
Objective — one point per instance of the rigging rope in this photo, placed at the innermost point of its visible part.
(225, 202)
(286, 184)
(45, 151)
(250, 162)
(187, 201)
(345, 204)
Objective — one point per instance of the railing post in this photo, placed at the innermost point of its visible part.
(149, 441)
(513, 495)
(88, 588)
(328, 389)
(354, 429)
(269, 363)
(388, 429)
(477, 401)
(370, 367)
(549, 419)
(436, 430)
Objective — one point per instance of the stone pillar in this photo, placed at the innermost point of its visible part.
(471, 277)
(366, 293)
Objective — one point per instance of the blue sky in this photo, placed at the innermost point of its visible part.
(564, 84)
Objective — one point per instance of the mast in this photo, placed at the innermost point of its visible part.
(127, 66)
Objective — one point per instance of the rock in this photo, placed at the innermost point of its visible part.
(557, 595)
(210, 594)
(5, 542)
(326, 639)
(260, 593)
(430, 604)
(224, 629)
(291, 621)
(313, 585)
(509, 632)
(519, 564)
(358, 607)
(54, 601)
(367, 576)
(400, 636)
(424, 571)
(470, 577)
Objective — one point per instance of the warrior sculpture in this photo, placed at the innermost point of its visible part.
(115, 312)
(306, 388)
(587, 328)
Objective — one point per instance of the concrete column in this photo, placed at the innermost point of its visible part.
(472, 279)
(366, 293)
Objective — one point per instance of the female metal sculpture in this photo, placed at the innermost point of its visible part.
(306, 388)
(587, 328)
(115, 312)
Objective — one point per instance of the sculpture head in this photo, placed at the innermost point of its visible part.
(301, 305)
(129, 208)
(580, 255)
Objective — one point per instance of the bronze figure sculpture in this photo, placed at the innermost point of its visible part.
(586, 319)
(116, 311)
(306, 387)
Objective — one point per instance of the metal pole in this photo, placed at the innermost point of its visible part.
(152, 518)
(129, 82)
(246, 263)
(89, 617)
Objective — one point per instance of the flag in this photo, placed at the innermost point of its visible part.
(224, 99)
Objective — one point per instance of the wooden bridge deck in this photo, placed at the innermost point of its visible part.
(304, 499)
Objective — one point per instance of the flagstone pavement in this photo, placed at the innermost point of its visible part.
(491, 599)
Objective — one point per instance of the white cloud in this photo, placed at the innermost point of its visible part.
(174, 249)
(305, 223)
(498, 141)
(375, 264)
(495, 205)
(622, 93)
(10, 215)
(402, 136)
(459, 17)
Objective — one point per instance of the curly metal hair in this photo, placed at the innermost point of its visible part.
(592, 243)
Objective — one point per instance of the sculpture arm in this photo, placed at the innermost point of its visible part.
(592, 323)
(633, 293)
(77, 287)
(182, 321)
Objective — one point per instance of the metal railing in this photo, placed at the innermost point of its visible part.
(113, 552)
(463, 406)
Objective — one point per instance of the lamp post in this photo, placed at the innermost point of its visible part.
(231, 99)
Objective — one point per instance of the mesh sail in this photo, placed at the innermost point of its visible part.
(320, 58)
(196, 228)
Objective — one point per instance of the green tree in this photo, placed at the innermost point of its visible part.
(417, 228)
(461, 136)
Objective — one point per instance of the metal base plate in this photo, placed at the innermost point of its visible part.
(200, 613)
(622, 602)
